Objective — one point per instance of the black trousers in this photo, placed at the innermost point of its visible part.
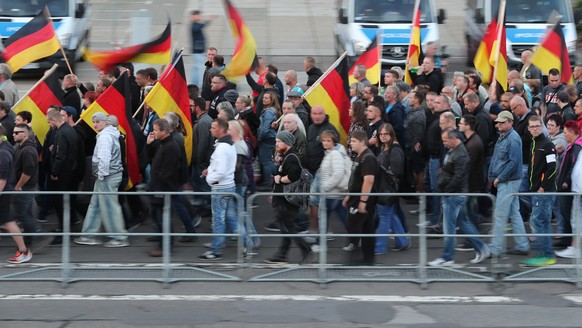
(286, 216)
(359, 223)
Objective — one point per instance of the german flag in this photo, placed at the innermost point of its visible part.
(45, 93)
(154, 52)
(498, 57)
(332, 92)
(553, 53)
(115, 101)
(483, 54)
(371, 59)
(414, 50)
(244, 58)
(170, 94)
(35, 40)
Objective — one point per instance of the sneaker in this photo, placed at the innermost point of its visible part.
(569, 253)
(273, 227)
(330, 236)
(207, 245)
(309, 240)
(539, 261)
(315, 248)
(91, 241)
(349, 248)
(42, 219)
(427, 225)
(440, 262)
(156, 252)
(307, 258)
(114, 243)
(196, 220)
(464, 247)
(21, 257)
(210, 256)
(414, 212)
(398, 249)
(480, 257)
(276, 260)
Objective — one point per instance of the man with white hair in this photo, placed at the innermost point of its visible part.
(528, 70)
(105, 210)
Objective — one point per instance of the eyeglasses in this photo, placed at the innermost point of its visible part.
(17, 132)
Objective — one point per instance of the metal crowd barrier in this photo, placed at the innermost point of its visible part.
(244, 269)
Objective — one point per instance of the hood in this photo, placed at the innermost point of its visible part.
(226, 139)
(110, 130)
(29, 143)
(339, 147)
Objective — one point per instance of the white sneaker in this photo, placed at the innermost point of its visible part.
(114, 243)
(91, 241)
(315, 248)
(480, 257)
(569, 253)
(349, 248)
(440, 262)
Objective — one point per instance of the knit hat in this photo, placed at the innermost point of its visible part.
(72, 111)
(98, 117)
(231, 96)
(286, 137)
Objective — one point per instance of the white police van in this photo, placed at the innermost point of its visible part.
(71, 19)
(360, 20)
(526, 24)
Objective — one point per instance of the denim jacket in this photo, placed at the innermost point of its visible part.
(265, 130)
(507, 158)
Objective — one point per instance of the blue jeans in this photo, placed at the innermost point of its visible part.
(266, 150)
(540, 221)
(179, 207)
(255, 241)
(314, 188)
(389, 222)
(105, 209)
(558, 215)
(433, 170)
(524, 201)
(199, 185)
(335, 205)
(455, 214)
(22, 205)
(197, 69)
(223, 213)
(505, 208)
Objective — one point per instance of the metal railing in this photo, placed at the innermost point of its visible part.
(244, 269)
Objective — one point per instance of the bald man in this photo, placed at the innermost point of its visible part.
(529, 70)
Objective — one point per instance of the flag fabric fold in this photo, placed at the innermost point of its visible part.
(553, 53)
(499, 61)
(483, 54)
(244, 58)
(35, 40)
(414, 50)
(157, 51)
(332, 92)
(46, 93)
(170, 94)
(115, 101)
(371, 60)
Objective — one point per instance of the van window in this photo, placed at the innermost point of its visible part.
(27, 8)
(390, 11)
(532, 11)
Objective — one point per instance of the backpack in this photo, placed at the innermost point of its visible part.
(303, 184)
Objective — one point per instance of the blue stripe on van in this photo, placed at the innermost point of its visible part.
(396, 36)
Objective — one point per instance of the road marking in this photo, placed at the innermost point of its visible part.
(197, 298)
(573, 298)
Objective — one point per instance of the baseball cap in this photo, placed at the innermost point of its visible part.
(513, 90)
(504, 116)
(294, 93)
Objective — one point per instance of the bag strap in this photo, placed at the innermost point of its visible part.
(295, 155)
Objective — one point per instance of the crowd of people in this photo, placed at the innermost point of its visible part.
(425, 137)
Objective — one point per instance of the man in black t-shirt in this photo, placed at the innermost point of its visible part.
(361, 208)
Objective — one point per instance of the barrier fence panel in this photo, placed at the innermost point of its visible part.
(323, 272)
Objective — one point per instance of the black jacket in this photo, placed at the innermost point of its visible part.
(455, 171)
(315, 151)
(64, 151)
(520, 126)
(291, 168)
(434, 80)
(542, 169)
(433, 145)
(312, 75)
(165, 165)
(475, 149)
(72, 98)
(485, 128)
(26, 161)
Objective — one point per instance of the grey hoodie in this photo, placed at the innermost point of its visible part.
(106, 159)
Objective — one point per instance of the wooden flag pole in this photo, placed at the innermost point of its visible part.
(50, 18)
(46, 73)
(334, 65)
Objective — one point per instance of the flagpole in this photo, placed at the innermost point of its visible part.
(334, 65)
(379, 58)
(180, 54)
(500, 26)
(50, 18)
(46, 74)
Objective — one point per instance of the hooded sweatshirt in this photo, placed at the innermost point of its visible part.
(106, 160)
(222, 164)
